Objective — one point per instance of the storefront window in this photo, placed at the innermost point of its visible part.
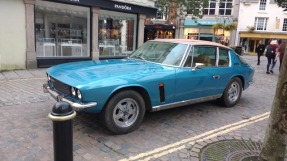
(191, 33)
(62, 30)
(117, 33)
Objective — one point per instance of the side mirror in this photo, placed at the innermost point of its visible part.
(198, 66)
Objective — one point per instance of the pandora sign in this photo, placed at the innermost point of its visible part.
(123, 7)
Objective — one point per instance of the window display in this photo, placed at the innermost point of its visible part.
(117, 33)
(62, 30)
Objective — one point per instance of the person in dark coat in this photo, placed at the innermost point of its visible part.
(260, 50)
(273, 57)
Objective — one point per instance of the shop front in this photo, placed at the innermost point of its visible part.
(69, 30)
(201, 29)
(249, 40)
(160, 31)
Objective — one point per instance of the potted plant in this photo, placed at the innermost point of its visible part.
(250, 28)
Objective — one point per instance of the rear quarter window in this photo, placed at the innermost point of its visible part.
(223, 60)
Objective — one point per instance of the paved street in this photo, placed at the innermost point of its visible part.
(176, 134)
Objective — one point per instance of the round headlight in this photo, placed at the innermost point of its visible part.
(48, 76)
(73, 91)
(79, 94)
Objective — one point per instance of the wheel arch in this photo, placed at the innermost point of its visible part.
(142, 91)
(242, 80)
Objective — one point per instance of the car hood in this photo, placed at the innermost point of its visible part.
(79, 74)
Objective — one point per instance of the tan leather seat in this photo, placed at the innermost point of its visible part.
(203, 59)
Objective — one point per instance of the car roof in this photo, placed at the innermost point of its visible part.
(191, 42)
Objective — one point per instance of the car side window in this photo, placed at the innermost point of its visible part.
(223, 58)
(205, 55)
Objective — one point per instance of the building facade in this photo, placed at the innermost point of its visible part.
(48, 32)
(224, 12)
(163, 25)
(260, 20)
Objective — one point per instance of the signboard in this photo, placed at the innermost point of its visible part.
(112, 5)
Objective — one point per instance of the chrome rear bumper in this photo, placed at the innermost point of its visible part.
(59, 97)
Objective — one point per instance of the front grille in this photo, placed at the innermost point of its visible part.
(59, 86)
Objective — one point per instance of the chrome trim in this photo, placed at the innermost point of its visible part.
(183, 103)
(60, 97)
(62, 118)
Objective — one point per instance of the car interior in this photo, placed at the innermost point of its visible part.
(207, 56)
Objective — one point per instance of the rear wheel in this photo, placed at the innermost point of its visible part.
(232, 93)
(124, 112)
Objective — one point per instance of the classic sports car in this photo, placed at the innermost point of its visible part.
(161, 74)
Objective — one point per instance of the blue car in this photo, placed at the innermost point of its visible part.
(161, 74)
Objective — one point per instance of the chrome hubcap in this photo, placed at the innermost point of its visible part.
(126, 112)
(233, 92)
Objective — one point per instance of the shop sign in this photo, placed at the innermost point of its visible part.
(107, 4)
(164, 27)
(123, 7)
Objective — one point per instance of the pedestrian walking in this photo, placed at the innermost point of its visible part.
(281, 51)
(260, 50)
(271, 55)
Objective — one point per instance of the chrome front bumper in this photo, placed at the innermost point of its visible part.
(59, 97)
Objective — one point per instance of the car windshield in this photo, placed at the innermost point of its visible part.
(166, 53)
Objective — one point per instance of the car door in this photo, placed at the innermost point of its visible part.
(194, 82)
(223, 72)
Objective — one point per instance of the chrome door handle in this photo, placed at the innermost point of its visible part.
(216, 77)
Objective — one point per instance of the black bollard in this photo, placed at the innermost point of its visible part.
(62, 115)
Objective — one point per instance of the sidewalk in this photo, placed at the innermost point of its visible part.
(23, 74)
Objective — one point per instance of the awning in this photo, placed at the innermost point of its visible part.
(204, 22)
(266, 35)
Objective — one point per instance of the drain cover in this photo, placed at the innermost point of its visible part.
(231, 150)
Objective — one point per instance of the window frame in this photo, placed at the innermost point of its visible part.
(60, 36)
(228, 55)
(284, 26)
(225, 3)
(209, 8)
(260, 20)
(262, 5)
(192, 54)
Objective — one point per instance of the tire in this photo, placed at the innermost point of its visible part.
(232, 93)
(124, 112)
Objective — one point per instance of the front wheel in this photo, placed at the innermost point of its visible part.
(232, 93)
(124, 112)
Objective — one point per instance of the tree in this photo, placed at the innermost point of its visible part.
(274, 144)
(193, 7)
(281, 2)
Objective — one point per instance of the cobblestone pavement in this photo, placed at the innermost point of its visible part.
(176, 134)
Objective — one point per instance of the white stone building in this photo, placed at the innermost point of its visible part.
(260, 20)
